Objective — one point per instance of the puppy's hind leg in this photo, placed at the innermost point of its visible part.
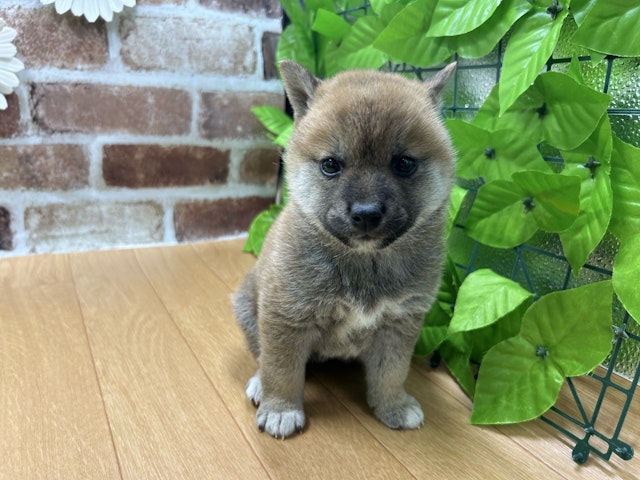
(245, 310)
(387, 365)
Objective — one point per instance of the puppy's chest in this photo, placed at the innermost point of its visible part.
(351, 327)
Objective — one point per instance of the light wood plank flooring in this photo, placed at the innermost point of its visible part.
(128, 364)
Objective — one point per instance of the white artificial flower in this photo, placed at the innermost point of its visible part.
(91, 9)
(9, 65)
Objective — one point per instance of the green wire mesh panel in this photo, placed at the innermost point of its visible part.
(540, 265)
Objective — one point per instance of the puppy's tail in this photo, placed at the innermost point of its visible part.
(245, 309)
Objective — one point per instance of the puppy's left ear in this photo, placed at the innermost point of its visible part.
(437, 83)
(300, 85)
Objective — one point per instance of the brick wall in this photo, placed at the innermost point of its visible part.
(137, 131)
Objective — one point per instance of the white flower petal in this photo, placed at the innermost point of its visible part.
(3, 103)
(7, 50)
(91, 9)
(8, 81)
(63, 6)
(14, 65)
(7, 34)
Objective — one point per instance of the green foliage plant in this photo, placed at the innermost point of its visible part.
(525, 346)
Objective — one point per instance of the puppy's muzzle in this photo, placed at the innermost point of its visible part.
(366, 217)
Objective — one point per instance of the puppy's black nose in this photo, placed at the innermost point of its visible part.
(366, 216)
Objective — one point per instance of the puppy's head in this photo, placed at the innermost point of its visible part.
(369, 158)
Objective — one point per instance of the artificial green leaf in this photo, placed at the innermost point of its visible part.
(480, 41)
(356, 49)
(625, 275)
(573, 326)
(485, 297)
(272, 118)
(456, 353)
(574, 70)
(432, 334)
(591, 162)
(455, 17)
(514, 385)
(294, 11)
(259, 229)
(506, 214)
(532, 41)
(611, 27)
(625, 172)
(493, 155)
(296, 44)
(573, 111)
(488, 116)
(330, 25)
(483, 339)
(404, 39)
(563, 334)
(458, 195)
(555, 198)
(580, 9)
(498, 218)
(282, 139)
(556, 109)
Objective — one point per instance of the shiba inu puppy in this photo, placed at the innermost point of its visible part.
(353, 262)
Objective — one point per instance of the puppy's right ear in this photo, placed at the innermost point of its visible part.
(300, 85)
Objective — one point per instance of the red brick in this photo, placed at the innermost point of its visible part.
(83, 226)
(260, 167)
(228, 114)
(191, 44)
(10, 118)
(269, 48)
(139, 166)
(43, 167)
(79, 45)
(210, 219)
(6, 235)
(260, 8)
(94, 108)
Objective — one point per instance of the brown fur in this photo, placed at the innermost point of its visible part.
(354, 259)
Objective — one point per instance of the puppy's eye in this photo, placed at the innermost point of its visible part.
(330, 167)
(404, 166)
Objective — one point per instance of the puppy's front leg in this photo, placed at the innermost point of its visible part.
(283, 358)
(387, 365)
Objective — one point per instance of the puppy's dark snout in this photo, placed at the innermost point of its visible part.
(366, 216)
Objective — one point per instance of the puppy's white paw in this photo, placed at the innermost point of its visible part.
(404, 415)
(253, 389)
(279, 424)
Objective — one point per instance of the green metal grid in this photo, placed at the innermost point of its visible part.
(540, 265)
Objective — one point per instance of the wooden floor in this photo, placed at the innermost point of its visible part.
(128, 364)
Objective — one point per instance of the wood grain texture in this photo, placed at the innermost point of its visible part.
(129, 364)
(167, 419)
(52, 421)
